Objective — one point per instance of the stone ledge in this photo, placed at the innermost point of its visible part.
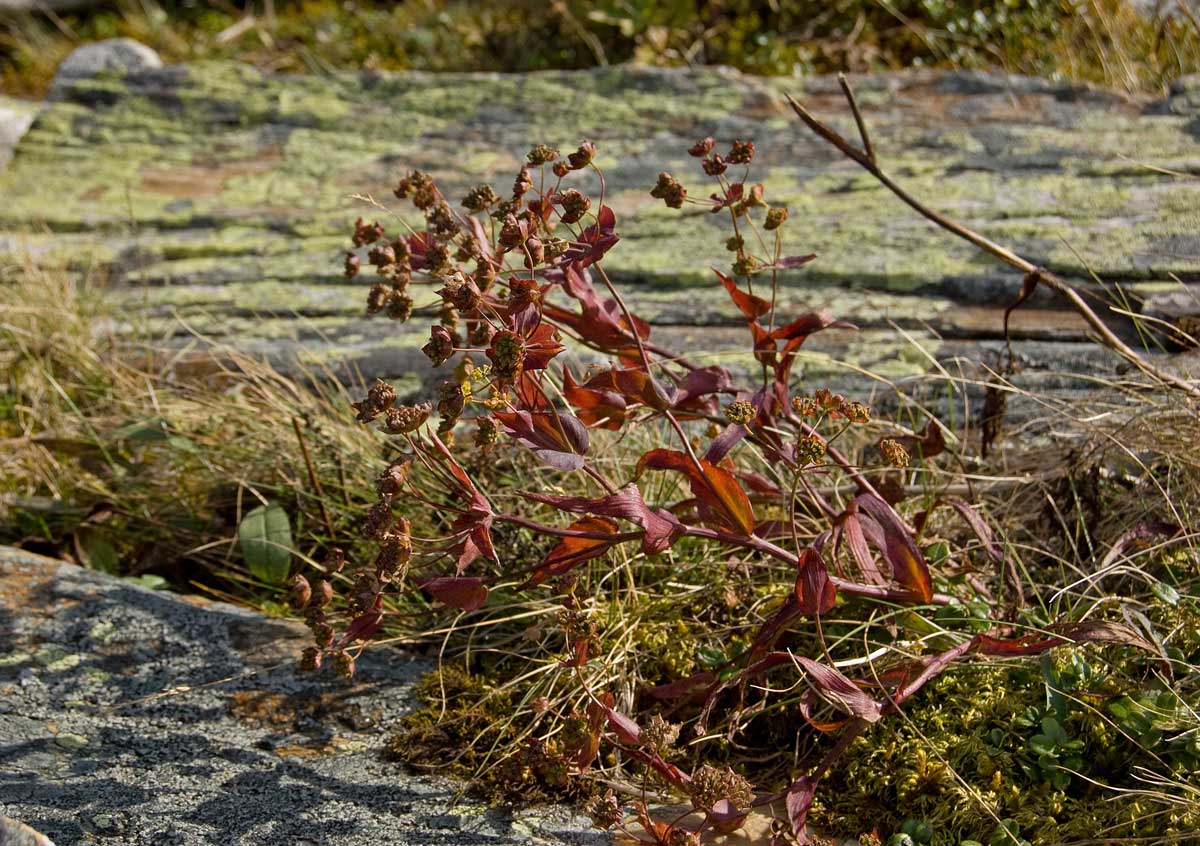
(134, 716)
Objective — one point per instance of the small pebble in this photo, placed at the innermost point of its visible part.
(71, 741)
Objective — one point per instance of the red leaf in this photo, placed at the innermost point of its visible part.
(852, 530)
(560, 440)
(907, 563)
(661, 528)
(1061, 634)
(836, 687)
(466, 594)
(604, 409)
(595, 240)
(363, 626)
(799, 799)
(724, 442)
(813, 590)
(713, 486)
(788, 262)
(626, 730)
(570, 552)
(541, 345)
(686, 686)
(750, 306)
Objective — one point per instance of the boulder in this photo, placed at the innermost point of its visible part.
(131, 716)
(114, 55)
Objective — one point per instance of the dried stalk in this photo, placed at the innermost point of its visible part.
(865, 158)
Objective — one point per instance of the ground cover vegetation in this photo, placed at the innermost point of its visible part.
(687, 588)
(724, 584)
(1102, 41)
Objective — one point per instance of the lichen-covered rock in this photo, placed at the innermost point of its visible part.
(129, 716)
(220, 194)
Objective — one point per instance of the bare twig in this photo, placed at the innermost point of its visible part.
(865, 159)
(858, 118)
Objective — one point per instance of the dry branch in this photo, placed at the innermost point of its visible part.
(865, 158)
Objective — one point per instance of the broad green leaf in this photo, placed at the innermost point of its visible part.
(265, 537)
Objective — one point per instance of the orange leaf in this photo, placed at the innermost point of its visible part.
(571, 552)
(713, 486)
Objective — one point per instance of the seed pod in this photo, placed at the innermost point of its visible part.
(322, 593)
(310, 659)
(299, 592)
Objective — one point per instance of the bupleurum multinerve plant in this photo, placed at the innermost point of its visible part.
(751, 466)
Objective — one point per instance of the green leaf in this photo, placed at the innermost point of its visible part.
(148, 430)
(1165, 593)
(265, 537)
(151, 581)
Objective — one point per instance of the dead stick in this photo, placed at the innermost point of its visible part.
(312, 477)
(866, 160)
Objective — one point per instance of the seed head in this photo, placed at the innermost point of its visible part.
(506, 353)
(741, 411)
(669, 190)
(352, 265)
(741, 152)
(400, 306)
(394, 478)
(702, 147)
(810, 449)
(522, 183)
(378, 400)
(806, 406)
(857, 412)
(366, 233)
(440, 346)
(452, 399)
(407, 418)
(574, 205)
(896, 455)
(378, 298)
(710, 785)
(744, 265)
(605, 810)
(659, 735)
(714, 165)
(487, 433)
(343, 664)
(542, 154)
(381, 256)
(310, 659)
(775, 218)
(561, 169)
(583, 155)
(480, 198)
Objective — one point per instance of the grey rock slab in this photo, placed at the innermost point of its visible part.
(217, 197)
(180, 721)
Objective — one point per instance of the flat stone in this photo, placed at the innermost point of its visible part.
(187, 724)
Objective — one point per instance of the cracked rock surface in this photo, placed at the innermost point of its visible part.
(130, 716)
